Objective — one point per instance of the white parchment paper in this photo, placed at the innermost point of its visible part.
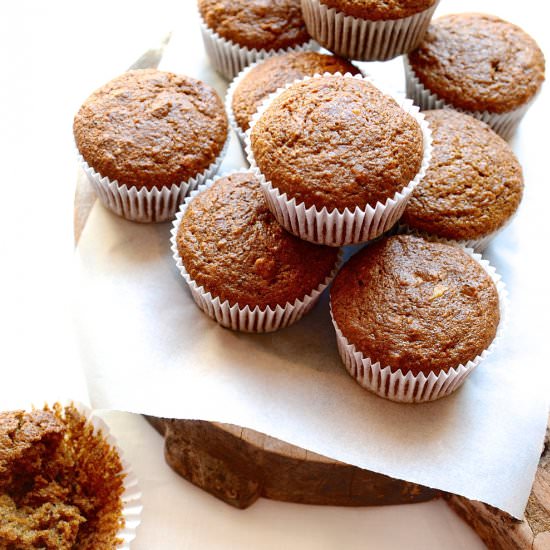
(147, 348)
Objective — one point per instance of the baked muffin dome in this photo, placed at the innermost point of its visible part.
(149, 128)
(474, 183)
(375, 10)
(479, 62)
(256, 24)
(275, 72)
(337, 142)
(231, 244)
(415, 305)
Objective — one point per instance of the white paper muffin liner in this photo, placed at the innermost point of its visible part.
(234, 316)
(146, 205)
(361, 39)
(408, 388)
(504, 124)
(335, 228)
(229, 59)
(229, 101)
(132, 505)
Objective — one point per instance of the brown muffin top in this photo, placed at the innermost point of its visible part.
(60, 482)
(148, 128)
(26, 435)
(337, 142)
(415, 305)
(473, 185)
(231, 244)
(374, 10)
(259, 24)
(275, 72)
(479, 62)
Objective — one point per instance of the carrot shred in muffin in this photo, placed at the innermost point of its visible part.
(60, 483)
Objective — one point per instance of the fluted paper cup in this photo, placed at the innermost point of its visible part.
(145, 205)
(131, 497)
(361, 39)
(504, 124)
(229, 59)
(336, 228)
(233, 315)
(241, 134)
(132, 505)
(409, 388)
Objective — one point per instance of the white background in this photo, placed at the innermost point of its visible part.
(53, 55)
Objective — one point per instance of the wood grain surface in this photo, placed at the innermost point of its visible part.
(502, 532)
(238, 465)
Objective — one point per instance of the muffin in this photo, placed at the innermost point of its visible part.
(420, 314)
(239, 32)
(368, 30)
(255, 83)
(473, 186)
(243, 268)
(62, 484)
(479, 64)
(337, 158)
(146, 138)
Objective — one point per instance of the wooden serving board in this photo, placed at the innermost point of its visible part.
(501, 532)
(238, 465)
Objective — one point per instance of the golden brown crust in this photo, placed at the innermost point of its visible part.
(473, 185)
(337, 142)
(479, 62)
(231, 244)
(375, 10)
(149, 128)
(256, 24)
(60, 484)
(415, 305)
(29, 437)
(275, 72)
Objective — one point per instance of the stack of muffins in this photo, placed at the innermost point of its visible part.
(335, 159)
